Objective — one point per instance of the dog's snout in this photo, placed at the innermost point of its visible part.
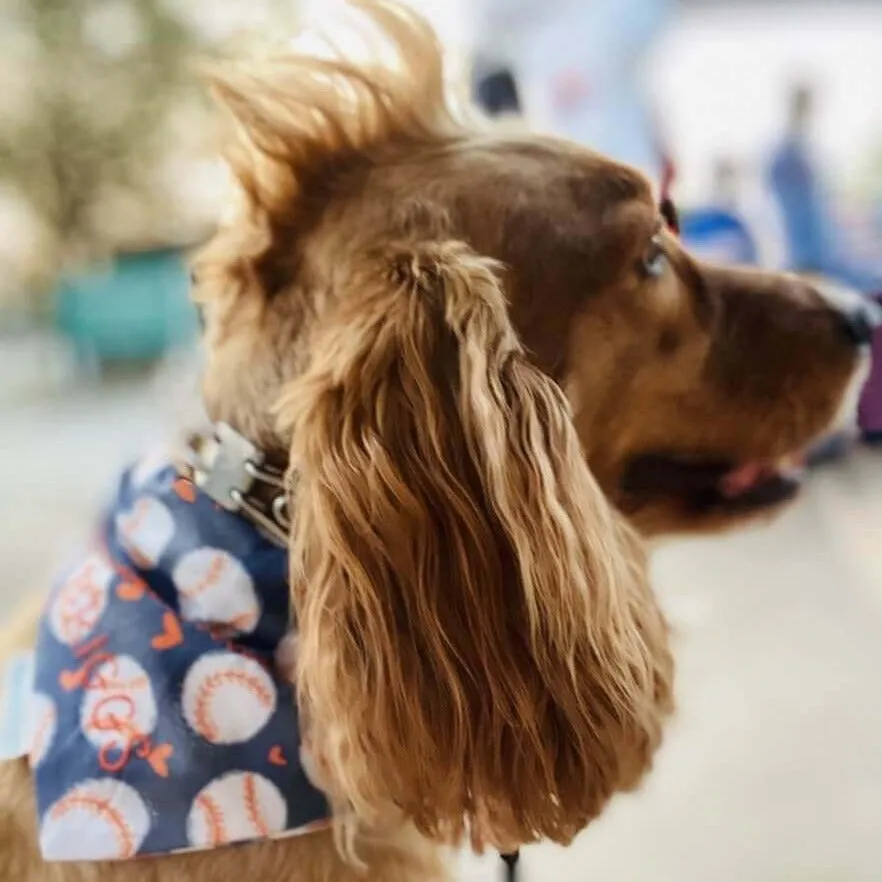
(860, 321)
(857, 316)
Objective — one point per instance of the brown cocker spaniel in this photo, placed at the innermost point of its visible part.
(489, 369)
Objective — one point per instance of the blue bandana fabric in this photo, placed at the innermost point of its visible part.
(160, 721)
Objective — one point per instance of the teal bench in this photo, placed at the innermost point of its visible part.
(135, 308)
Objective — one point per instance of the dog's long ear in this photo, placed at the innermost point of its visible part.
(479, 650)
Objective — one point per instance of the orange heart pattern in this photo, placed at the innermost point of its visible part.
(171, 635)
(159, 757)
(131, 589)
(185, 489)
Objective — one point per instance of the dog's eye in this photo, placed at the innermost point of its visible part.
(655, 260)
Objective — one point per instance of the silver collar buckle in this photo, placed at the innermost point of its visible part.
(227, 466)
(222, 471)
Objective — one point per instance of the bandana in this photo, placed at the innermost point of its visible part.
(160, 721)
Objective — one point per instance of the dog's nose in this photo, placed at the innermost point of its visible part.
(857, 316)
(860, 321)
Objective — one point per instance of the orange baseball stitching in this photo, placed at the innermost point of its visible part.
(214, 819)
(249, 784)
(100, 808)
(211, 684)
(209, 580)
(242, 622)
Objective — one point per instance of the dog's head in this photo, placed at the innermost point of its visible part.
(486, 361)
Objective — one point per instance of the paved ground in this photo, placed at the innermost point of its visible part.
(772, 771)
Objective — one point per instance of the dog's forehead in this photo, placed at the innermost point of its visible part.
(548, 199)
(544, 183)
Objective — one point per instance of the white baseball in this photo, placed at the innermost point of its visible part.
(43, 723)
(235, 807)
(102, 819)
(214, 587)
(145, 531)
(118, 703)
(80, 602)
(227, 698)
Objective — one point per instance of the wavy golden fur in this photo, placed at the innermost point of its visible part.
(479, 648)
(451, 338)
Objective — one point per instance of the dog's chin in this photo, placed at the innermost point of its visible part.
(661, 492)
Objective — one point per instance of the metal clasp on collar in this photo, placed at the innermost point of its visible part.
(228, 467)
(224, 473)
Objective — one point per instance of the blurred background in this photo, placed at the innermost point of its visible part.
(763, 122)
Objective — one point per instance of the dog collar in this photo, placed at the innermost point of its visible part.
(235, 474)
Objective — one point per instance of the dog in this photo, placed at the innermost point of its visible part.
(488, 373)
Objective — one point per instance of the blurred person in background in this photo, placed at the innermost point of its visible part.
(798, 187)
(795, 183)
(577, 69)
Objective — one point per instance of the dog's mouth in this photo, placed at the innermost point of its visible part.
(704, 485)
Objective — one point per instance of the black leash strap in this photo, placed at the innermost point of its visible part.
(511, 865)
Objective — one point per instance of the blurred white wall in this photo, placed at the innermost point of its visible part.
(720, 77)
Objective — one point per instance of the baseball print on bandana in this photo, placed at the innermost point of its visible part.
(161, 720)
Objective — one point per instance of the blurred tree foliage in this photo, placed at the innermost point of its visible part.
(99, 107)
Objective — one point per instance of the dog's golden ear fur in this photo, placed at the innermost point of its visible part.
(479, 650)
